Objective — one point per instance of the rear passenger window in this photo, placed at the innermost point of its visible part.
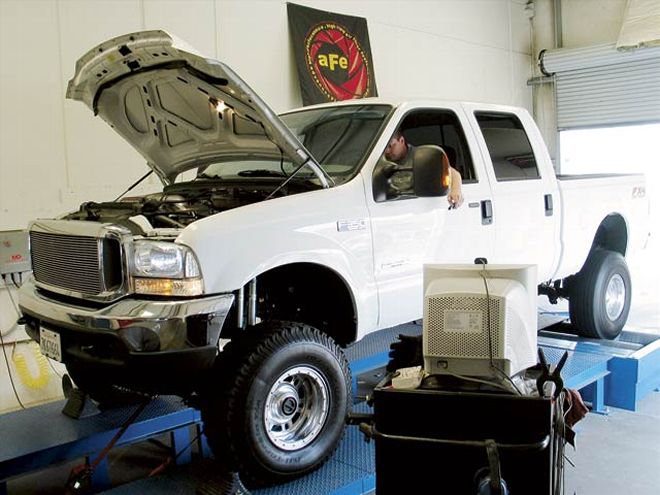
(509, 148)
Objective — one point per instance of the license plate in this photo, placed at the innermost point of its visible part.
(50, 344)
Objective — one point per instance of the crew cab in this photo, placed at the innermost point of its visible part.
(239, 288)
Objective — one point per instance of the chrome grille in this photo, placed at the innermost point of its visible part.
(68, 262)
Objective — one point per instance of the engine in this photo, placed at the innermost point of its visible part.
(176, 207)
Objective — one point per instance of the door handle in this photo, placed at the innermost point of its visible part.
(486, 212)
(549, 208)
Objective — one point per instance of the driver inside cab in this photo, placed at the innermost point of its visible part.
(401, 153)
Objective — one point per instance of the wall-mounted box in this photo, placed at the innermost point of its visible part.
(14, 252)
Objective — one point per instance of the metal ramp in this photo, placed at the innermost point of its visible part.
(633, 364)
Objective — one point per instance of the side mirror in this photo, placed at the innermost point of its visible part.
(391, 180)
(430, 171)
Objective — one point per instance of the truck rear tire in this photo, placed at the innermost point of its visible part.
(599, 299)
(276, 405)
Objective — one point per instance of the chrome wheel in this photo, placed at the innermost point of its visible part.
(296, 408)
(284, 397)
(615, 297)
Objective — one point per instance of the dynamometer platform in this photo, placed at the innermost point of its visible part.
(617, 374)
(633, 364)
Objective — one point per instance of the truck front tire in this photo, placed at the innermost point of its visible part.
(276, 406)
(599, 299)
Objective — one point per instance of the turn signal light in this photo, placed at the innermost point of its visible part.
(169, 286)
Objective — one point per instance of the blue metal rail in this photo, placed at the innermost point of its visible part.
(42, 436)
(633, 365)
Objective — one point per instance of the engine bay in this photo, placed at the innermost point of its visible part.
(184, 203)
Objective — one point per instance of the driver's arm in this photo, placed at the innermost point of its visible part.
(455, 195)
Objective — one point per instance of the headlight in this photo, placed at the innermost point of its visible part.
(165, 268)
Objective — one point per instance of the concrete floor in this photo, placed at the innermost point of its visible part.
(618, 453)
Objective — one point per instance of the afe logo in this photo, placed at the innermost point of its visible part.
(336, 62)
(332, 60)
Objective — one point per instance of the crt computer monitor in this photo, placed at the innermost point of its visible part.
(458, 337)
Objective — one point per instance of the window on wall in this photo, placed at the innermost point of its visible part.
(508, 146)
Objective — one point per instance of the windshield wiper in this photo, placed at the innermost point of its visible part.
(260, 173)
(207, 176)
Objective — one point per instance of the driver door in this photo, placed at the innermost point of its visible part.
(410, 231)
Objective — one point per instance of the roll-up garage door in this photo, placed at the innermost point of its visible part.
(599, 85)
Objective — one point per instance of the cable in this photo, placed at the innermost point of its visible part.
(563, 398)
(508, 379)
(488, 322)
(490, 332)
(478, 380)
(19, 359)
(80, 476)
(161, 467)
(50, 363)
(10, 330)
(4, 352)
(11, 298)
(559, 443)
(11, 378)
(18, 275)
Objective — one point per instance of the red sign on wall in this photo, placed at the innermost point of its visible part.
(333, 55)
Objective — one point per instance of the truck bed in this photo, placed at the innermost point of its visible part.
(587, 200)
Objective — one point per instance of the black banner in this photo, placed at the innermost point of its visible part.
(333, 55)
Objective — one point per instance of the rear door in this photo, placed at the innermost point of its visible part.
(526, 206)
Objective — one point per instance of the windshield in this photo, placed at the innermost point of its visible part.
(338, 138)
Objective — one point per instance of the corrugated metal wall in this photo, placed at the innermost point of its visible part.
(600, 85)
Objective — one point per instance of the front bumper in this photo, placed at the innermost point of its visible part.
(137, 343)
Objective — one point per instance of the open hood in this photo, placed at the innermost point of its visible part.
(177, 108)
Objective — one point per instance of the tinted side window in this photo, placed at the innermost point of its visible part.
(508, 146)
(441, 128)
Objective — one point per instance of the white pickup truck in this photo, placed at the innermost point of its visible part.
(240, 287)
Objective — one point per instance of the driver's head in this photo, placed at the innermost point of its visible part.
(397, 148)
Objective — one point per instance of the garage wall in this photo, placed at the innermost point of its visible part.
(55, 155)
